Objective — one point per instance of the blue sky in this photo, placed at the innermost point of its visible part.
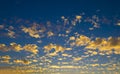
(62, 36)
(45, 8)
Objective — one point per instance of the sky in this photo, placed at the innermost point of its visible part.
(59, 36)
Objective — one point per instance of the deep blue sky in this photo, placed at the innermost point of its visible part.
(56, 8)
(93, 37)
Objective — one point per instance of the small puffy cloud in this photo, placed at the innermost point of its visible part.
(4, 48)
(16, 47)
(68, 31)
(1, 26)
(25, 62)
(50, 33)
(31, 48)
(77, 58)
(66, 55)
(72, 38)
(62, 17)
(5, 61)
(118, 24)
(95, 44)
(32, 31)
(6, 57)
(82, 40)
(49, 47)
(34, 60)
(39, 41)
(11, 34)
(57, 48)
(78, 17)
(94, 53)
(65, 20)
(53, 54)
(94, 65)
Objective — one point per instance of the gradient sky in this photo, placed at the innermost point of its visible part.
(60, 37)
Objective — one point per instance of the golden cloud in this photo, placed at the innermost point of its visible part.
(16, 47)
(53, 54)
(66, 55)
(72, 38)
(5, 61)
(77, 58)
(3, 47)
(32, 31)
(78, 17)
(57, 48)
(6, 57)
(50, 33)
(25, 62)
(105, 45)
(33, 48)
(82, 40)
(63, 67)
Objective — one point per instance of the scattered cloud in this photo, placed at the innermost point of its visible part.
(11, 34)
(77, 59)
(5, 59)
(1, 27)
(82, 40)
(16, 47)
(50, 33)
(32, 31)
(66, 55)
(105, 45)
(33, 48)
(57, 48)
(3, 47)
(25, 62)
(72, 38)
(78, 17)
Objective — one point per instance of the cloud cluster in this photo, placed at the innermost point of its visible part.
(103, 44)
(25, 62)
(5, 59)
(107, 45)
(3, 47)
(50, 33)
(32, 31)
(57, 48)
(11, 34)
(82, 40)
(33, 48)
